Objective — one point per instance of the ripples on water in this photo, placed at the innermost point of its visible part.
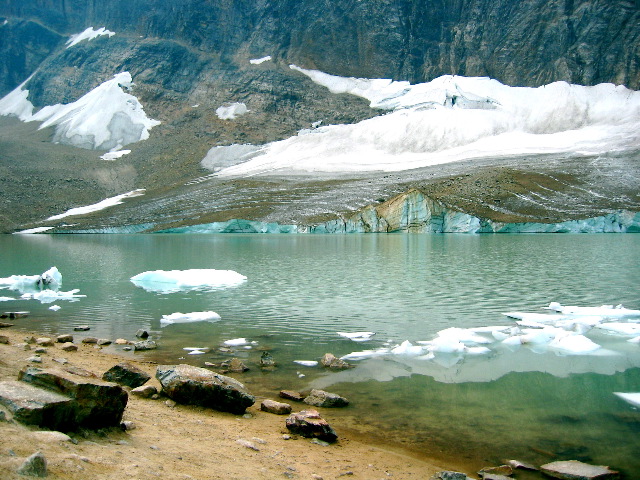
(301, 290)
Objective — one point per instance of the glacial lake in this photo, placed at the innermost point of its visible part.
(530, 402)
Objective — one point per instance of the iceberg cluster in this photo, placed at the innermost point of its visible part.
(171, 281)
(564, 333)
(106, 118)
(454, 118)
(43, 287)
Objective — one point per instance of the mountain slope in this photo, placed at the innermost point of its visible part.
(189, 58)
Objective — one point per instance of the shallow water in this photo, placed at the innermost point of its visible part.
(301, 290)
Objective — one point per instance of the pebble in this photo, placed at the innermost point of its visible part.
(40, 350)
(170, 403)
(60, 360)
(34, 359)
(128, 425)
(247, 444)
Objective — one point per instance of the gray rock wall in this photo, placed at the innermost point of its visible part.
(530, 42)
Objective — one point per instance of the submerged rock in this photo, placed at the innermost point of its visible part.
(291, 395)
(310, 424)
(575, 470)
(234, 365)
(266, 360)
(320, 398)
(329, 360)
(199, 386)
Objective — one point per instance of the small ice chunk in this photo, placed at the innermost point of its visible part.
(357, 336)
(446, 345)
(632, 398)
(604, 310)
(236, 342)
(463, 335)
(306, 363)
(55, 308)
(365, 354)
(477, 350)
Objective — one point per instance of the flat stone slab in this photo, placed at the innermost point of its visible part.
(575, 470)
(97, 404)
(36, 406)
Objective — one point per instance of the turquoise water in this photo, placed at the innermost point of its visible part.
(301, 290)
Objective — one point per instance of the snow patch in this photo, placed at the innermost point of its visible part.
(258, 61)
(106, 203)
(88, 34)
(231, 111)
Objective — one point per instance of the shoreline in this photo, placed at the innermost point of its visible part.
(192, 442)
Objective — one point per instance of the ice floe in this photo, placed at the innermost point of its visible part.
(357, 336)
(577, 332)
(171, 281)
(50, 296)
(236, 342)
(179, 317)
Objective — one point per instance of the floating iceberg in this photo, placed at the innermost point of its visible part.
(171, 281)
(236, 342)
(179, 317)
(630, 329)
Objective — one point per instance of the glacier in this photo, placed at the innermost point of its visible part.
(453, 118)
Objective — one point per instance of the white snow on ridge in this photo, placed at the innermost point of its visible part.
(258, 61)
(106, 118)
(632, 398)
(88, 34)
(106, 203)
(454, 118)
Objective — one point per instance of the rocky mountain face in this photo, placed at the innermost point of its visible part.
(195, 53)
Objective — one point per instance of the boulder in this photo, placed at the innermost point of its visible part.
(142, 333)
(126, 374)
(34, 466)
(575, 470)
(96, 404)
(310, 424)
(278, 408)
(234, 365)
(329, 360)
(64, 338)
(266, 360)
(31, 405)
(4, 339)
(44, 342)
(199, 386)
(81, 328)
(500, 471)
(320, 398)
(91, 340)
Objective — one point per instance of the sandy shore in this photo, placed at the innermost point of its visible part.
(186, 442)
